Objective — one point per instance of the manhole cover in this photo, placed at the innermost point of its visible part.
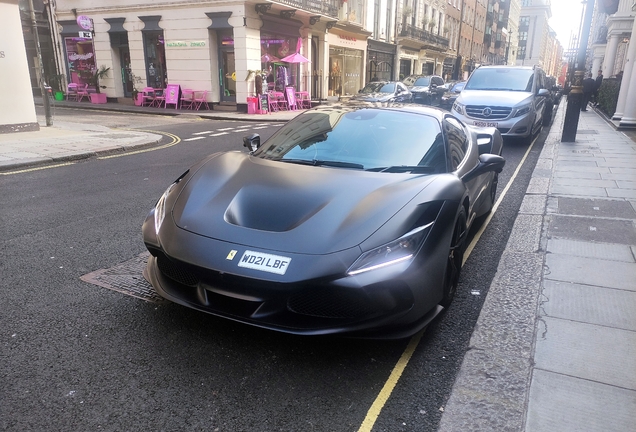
(126, 278)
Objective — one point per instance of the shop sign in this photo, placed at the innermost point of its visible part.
(85, 22)
(186, 44)
(86, 35)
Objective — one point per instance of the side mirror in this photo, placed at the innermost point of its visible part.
(487, 163)
(252, 142)
(543, 92)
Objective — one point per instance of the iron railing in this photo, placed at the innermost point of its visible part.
(328, 7)
(429, 38)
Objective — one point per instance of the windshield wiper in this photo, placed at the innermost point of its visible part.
(317, 162)
(405, 168)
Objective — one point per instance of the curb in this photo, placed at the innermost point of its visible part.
(492, 388)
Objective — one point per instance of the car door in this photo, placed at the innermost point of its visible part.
(402, 93)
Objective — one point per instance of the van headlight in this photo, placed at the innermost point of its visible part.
(459, 108)
(397, 251)
(524, 109)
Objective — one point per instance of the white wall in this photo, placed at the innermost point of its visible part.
(17, 111)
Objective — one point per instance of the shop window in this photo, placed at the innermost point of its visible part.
(345, 67)
(80, 56)
(154, 50)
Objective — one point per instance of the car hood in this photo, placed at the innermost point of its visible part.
(374, 97)
(494, 98)
(280, 206)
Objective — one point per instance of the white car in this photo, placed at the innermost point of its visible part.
(512, 99)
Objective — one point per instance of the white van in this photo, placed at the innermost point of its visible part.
(514, 99)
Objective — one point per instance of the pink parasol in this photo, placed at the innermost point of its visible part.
(296, 57)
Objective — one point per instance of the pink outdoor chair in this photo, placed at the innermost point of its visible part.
(201, 101)
(71, 92)
(187, 98)
(82, 93)
(159, 99)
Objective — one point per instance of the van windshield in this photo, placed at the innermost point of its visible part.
(506, 79)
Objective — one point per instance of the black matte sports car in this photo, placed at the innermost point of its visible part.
(350, 219)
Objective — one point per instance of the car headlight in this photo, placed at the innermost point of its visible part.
(459, 108)
(402, 249)
(525, 109)
(160, 208)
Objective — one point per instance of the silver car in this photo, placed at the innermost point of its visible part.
(511, 98)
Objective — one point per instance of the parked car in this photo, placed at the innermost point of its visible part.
(511, 98)
(449, 97)
(384, 91)
(426, 89)
(351, 219)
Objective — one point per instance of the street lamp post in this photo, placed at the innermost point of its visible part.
(575, 97)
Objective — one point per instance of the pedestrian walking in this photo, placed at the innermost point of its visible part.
(588, 88)
(597, 86)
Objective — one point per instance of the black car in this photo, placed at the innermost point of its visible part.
(351, 219)
(426, 89)
(384, 91)
(449, 97)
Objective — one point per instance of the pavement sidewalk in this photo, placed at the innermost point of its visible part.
(66, 141)
(554, 348)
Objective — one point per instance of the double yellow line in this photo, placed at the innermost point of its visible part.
(175, 140)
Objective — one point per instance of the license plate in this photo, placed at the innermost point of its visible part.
(485, 124)
(264, 262)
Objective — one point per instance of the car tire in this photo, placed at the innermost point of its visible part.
(455, 259)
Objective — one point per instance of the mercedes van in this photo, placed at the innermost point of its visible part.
(513, 99)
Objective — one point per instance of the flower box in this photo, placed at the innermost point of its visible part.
(98, 98)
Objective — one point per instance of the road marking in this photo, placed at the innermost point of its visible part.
(36, 168)
(175, 140)
(202, 133)
(225, 129)
(396, 373)
(262, 127)
(219, 134)
(193, 139)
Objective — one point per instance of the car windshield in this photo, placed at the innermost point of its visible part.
(507, 79)
(378, 87)
(366, 139)
(423, 82)
(458, 87)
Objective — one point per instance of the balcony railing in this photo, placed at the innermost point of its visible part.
(328, 7)
(428, 38)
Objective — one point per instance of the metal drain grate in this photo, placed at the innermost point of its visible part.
(126, 278)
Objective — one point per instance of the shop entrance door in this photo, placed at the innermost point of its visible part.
(227, 76)
(126, 70)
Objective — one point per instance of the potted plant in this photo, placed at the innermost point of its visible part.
(98, 74)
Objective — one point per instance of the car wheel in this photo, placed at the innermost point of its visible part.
(492, 193)
(455, 259)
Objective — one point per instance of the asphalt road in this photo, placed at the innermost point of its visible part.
(78, 357)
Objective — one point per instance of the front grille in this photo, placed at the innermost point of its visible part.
(496, 113)
(326, 303)
(176, 271)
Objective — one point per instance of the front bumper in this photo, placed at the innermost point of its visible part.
(315, 297)
(509, 127)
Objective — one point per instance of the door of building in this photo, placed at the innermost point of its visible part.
(227, 70)
(126, 70)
